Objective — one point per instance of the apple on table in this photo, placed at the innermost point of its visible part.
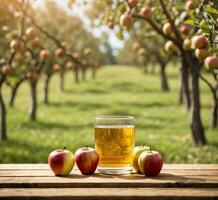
(150, 163)
(61, 161)
(87, 160)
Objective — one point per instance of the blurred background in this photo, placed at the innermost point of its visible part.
(64, 62)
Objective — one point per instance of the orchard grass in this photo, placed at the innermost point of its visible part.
(68, 121)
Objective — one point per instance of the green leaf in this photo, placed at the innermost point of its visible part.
(190, 22)
(212, 11)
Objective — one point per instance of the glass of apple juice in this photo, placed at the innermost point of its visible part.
(114, 143)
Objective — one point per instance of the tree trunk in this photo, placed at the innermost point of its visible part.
(163, 78)
(62, 80)
(46, 89)
(76, 74)
(181, 89)
(14, 92)
(185, 82)
(83, 73)
(196, 122)
(214, 110)
(3, 130)
(93, 72)
(33, 108)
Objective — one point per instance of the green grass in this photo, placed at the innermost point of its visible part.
(68, 121)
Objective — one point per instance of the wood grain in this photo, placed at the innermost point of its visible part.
(165, 166)
(36, 181)
(112, 193)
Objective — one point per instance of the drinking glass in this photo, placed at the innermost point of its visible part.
(114, 142)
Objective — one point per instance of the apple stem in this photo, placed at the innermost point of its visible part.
(143, 144)
(86, 146)
(64, 148)
(149, 149)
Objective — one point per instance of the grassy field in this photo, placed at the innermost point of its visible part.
(68, 121)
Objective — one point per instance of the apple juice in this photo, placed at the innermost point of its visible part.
(115, 144)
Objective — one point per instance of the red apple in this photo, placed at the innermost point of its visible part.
(30, 32)
(190, 5)
(59, 52)
(150, 163)
(132, 3)
(44, 54)
(136, 153)
(56, 68)
(36, 42)
(185, 29)
(7, 69)
(126, 20)
(170, 47)
(187, 44)
(32, 76)
(146, 13)
(76, 55)
(61, 162)
(201, 53)
(69, 65)
(199, 42)
(15, 45)
(167, 28)
(211, 62)
(87, 160)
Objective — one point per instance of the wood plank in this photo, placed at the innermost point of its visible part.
(112, 193)
(166, 166)
(75, 181)
(49, 173)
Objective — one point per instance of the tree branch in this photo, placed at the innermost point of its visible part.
(58, 42)
(208, 83)
(157, 29)
(171, 21)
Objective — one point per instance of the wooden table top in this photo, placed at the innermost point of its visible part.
(176, 181)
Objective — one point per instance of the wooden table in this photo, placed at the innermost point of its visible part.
(36, 181)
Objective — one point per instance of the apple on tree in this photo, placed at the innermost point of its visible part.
(199, 42)
(136, 153)
(132, 3)
(126, 20)
(211, 62)
(32, 76)
(201, 53)
(15, 45)
(36, 42)
(190, 5)
(7, 69)
(146, 13)
(56, 68)
(150, 163)
(87, 160)
(44, 54)
(30, 32)
(170, 47)
(69, 65)
(61, 162)
(185, 29)
(76, 55)
(167, 28)
(59, 52)
(187, 44)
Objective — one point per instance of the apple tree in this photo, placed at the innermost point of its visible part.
(167, 19)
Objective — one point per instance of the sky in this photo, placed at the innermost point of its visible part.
(114, 41)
